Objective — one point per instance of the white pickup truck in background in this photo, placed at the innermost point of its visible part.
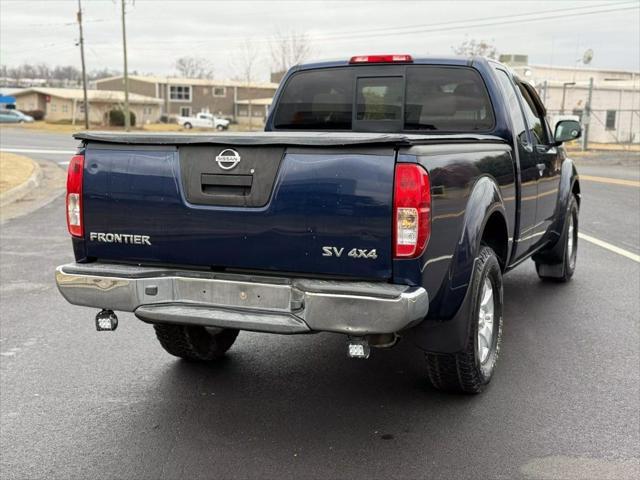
(204, 120)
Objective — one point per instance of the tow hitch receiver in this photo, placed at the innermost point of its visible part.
(358, 348)
(106, 321)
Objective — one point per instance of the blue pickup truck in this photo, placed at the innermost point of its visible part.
(385, 200)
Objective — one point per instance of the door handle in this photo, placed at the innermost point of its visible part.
(541, 168)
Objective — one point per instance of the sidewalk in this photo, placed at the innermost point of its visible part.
(18, 175)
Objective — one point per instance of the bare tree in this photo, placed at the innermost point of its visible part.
(69, 73)
(194, 67)
(289, 49)
(105, 72)
(245, 65)
(479, 48)
(42, 70)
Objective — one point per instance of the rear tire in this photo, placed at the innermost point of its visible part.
(470, 370)
(188, 126)
(195, 343)
(565, 252)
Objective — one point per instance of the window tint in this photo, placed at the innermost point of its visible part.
(535, 122)
(448, 99)
(317, 100)
(379, 98)
(508, 89)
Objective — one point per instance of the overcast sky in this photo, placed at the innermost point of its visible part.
(158, 32)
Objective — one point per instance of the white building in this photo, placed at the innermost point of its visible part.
(615, 98)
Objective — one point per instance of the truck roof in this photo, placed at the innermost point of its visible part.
(416, 60)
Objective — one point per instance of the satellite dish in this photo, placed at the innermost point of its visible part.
(587, 57)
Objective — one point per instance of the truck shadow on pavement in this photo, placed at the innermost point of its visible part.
(279, 397)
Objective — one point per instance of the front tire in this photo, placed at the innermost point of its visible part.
(195, 343)
(220, 128)
(566, 250)
(471, 370)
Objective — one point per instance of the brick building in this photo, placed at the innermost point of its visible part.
(187, 96)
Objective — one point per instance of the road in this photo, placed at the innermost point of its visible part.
(75, 403)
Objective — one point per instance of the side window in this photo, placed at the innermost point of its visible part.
(534, 119)
(509, 91)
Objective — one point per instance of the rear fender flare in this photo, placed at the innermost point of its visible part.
(446, 330)
(485, 199)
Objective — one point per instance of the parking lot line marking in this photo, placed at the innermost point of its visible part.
(611, 248)
(613, 181)
(34, 150)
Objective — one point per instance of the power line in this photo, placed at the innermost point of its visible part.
(349, 33)
(441, 26)
(68, 24)
(480, 23)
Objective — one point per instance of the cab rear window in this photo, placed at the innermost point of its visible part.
(418, 98)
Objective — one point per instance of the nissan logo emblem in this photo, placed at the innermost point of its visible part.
(228, 159)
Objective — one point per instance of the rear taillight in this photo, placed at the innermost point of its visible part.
(74, 196)
(403, 58)
(411, 210)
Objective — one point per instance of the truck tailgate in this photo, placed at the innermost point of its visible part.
(274, 211)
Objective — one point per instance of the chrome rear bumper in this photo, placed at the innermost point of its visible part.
(246, 302)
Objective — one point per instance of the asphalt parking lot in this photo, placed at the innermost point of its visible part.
(75, 403)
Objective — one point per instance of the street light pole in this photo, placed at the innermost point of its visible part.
(127, 119)
(84, 70)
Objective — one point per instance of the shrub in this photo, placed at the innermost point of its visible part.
(116, 118)
(36, 114)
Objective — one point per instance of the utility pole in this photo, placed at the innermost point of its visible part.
(633, 95)
(127, 119)
(84, 70)
(586, 120)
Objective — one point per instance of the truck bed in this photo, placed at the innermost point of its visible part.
(314, 204)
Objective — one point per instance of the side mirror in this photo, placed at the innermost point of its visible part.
(567, 130)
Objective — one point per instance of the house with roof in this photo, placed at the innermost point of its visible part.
(236, 100)
(67, 104)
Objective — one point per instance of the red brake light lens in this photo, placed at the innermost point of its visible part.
(411, 210)
(74, 196)
(382, 59)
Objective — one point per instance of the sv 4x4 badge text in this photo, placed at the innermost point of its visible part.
(353, 253)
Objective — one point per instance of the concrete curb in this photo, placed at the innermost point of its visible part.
(24, 188)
